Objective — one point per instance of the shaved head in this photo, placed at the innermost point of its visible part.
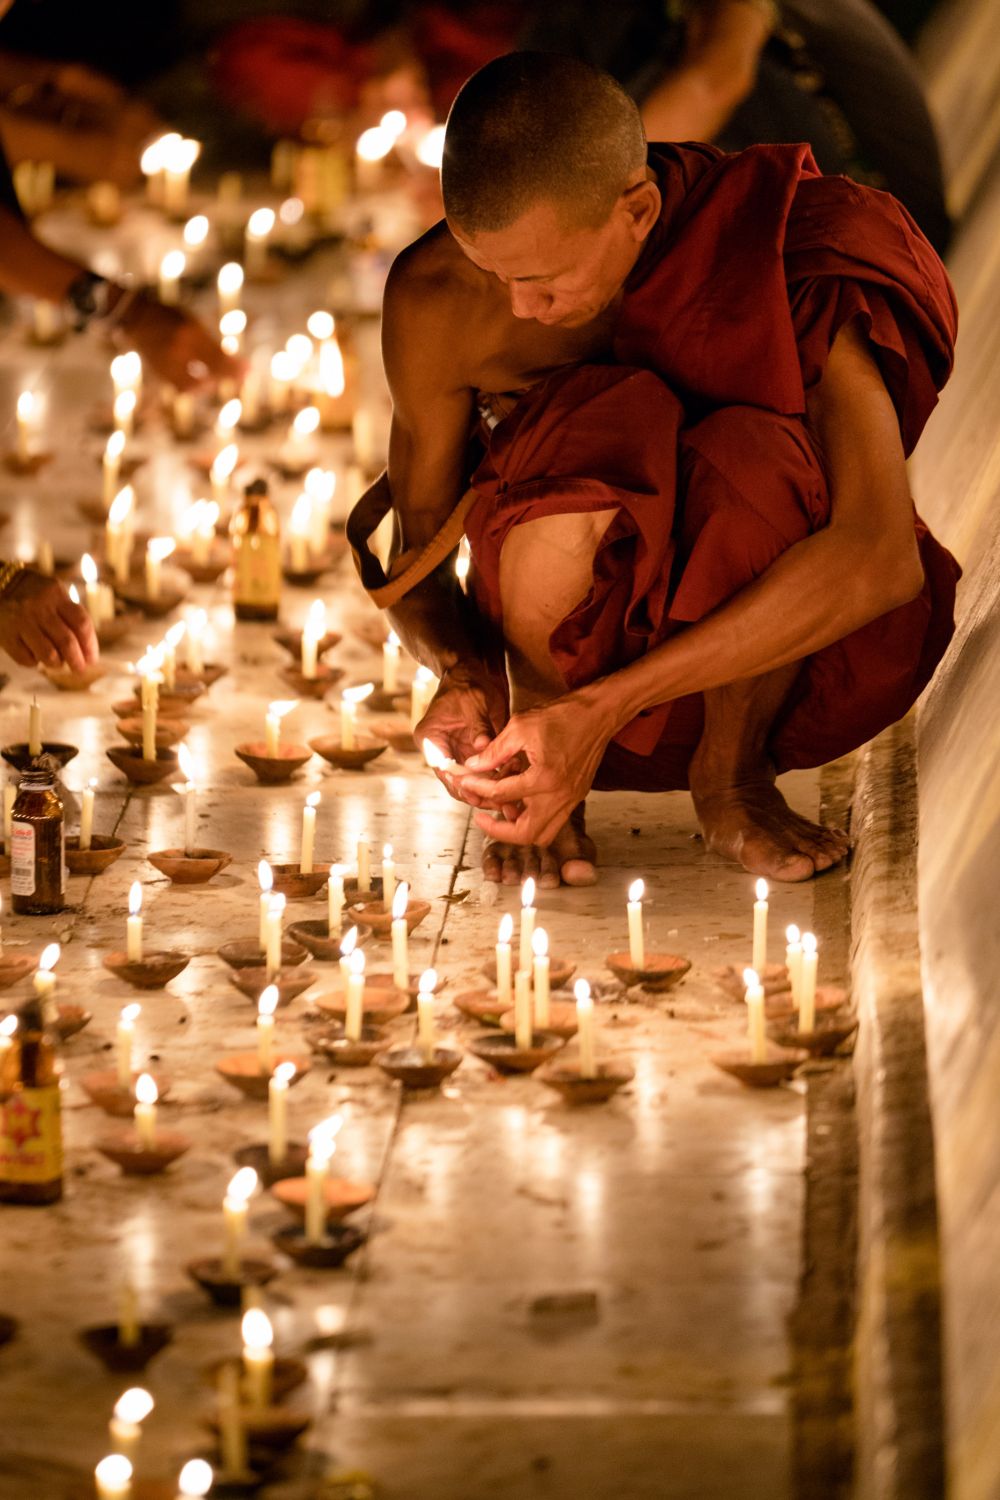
(533, 127)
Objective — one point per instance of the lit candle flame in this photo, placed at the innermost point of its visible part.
(375, 143)
(430, 151)
(399, 901)
(115, 446)
(320, 325)
(268, 1003)
(134, 1405)
(187, 764)
(242, 1185)
(284, 1072)
(130, 1013)
(25, 406)
(145, 1089)
(349, 942)
(113, 1472)
(581, 990)
(88, 568)
(134, 899)
(540, 943)
(313, 800)
(256, 1329)
(751, 979)
(160, 547)
(358, 694)
(506, 929)
(50, 957)
(306, 422)
(320, 485)
(636, 890)
(265, 876)
(427, 982)
(260, 223)
(281, 709)
(232, 324)
(230, 413)
(224, 463)
(528, 893)
(121, 505)
(761, 889)
(809, 944)
(792, 934)
(195, 1479)
(230, 278)
(173, 265)
(196, 231)
(323, 1138)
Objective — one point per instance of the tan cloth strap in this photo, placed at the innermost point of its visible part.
(411, 567)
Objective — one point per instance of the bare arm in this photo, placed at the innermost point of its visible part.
(433, 406)
(863, 564)
(719, 68)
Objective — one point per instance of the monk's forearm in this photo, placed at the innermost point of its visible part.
(439, 628)
(29, 268)
(816, 593)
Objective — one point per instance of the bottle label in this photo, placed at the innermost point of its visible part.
(257, 568)
(31, 1136)
(22, 859)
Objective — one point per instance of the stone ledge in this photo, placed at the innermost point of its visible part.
(899, 1402)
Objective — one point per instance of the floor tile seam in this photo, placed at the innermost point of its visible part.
(538, 1406)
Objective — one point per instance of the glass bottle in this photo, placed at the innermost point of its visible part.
(38, 865)
(256, 536)
(31, 1156)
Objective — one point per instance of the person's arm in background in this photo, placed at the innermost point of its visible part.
(718, 68)
(40, 624)
(174, 343)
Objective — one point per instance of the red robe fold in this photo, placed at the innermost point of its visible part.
(697, 438)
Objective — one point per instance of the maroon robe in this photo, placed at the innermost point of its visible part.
(697, 436)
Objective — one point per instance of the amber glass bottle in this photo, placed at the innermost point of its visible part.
(256, 535)
(37, 874)
(31, 1159)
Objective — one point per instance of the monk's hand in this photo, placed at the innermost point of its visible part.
(537, 770)
(462, 718)
(176, 345)
(40, 625)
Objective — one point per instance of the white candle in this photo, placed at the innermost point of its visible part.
(322, 1143)
(425, 1014)
(221, 472)
(229, 284)
(182, 414)
(34, 728)
(277, 1110)
(266, 1006)
(313, 632)
(124, 1039)
(149, 698)
(189, 791)
(265, 880)
(759, 960)
(754, 997)
(232, 1434)
(111, 466)
(179, 156)
(272, 725)
(44, 982)
(46, 323)
(807, 988)
(347, 947)
(258, 1356)
(364, 866)
(524, 950)
(130, 1410)
(126, 372)
(134, 924)
(335, 902)
(87, 814)
(235, 1208)
(113, 1478)
(388, 875)
(172, 268)
(585, 1029)
(118, 534)
(298, 533)
(540, 977)
(157, 549)
(259, 227)
(275, 912)
(308, 833)
(423, 690)
(793, 961)
(505, 991)
(25, 416)
(523, 1029)
(349, 701)
(400, 937)
(144, 1114)
(194, 636)
(390, 663)
(123, 412)
(355, 1002)
(636, 939)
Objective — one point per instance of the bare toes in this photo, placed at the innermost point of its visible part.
(578, 872)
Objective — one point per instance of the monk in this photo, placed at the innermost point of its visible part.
(668, 395)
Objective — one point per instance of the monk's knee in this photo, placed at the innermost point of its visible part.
(546, 569)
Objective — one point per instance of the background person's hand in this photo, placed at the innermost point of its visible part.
(40, 624)
(178, 348)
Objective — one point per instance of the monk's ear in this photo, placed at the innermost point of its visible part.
(640, 203)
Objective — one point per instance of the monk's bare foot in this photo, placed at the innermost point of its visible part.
(569, 860)
(751, 822)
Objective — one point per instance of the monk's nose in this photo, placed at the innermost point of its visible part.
(528, 301)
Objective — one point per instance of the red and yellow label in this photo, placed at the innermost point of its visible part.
(31, 1136)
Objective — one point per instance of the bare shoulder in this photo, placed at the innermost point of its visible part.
(433, 268)
(436, 308)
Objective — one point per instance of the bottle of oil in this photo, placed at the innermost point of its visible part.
(256, 535)
(37, 875)
(31, 1158)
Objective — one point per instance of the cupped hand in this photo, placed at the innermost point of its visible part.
(40, 625)
(462, 718)
(547, 758)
